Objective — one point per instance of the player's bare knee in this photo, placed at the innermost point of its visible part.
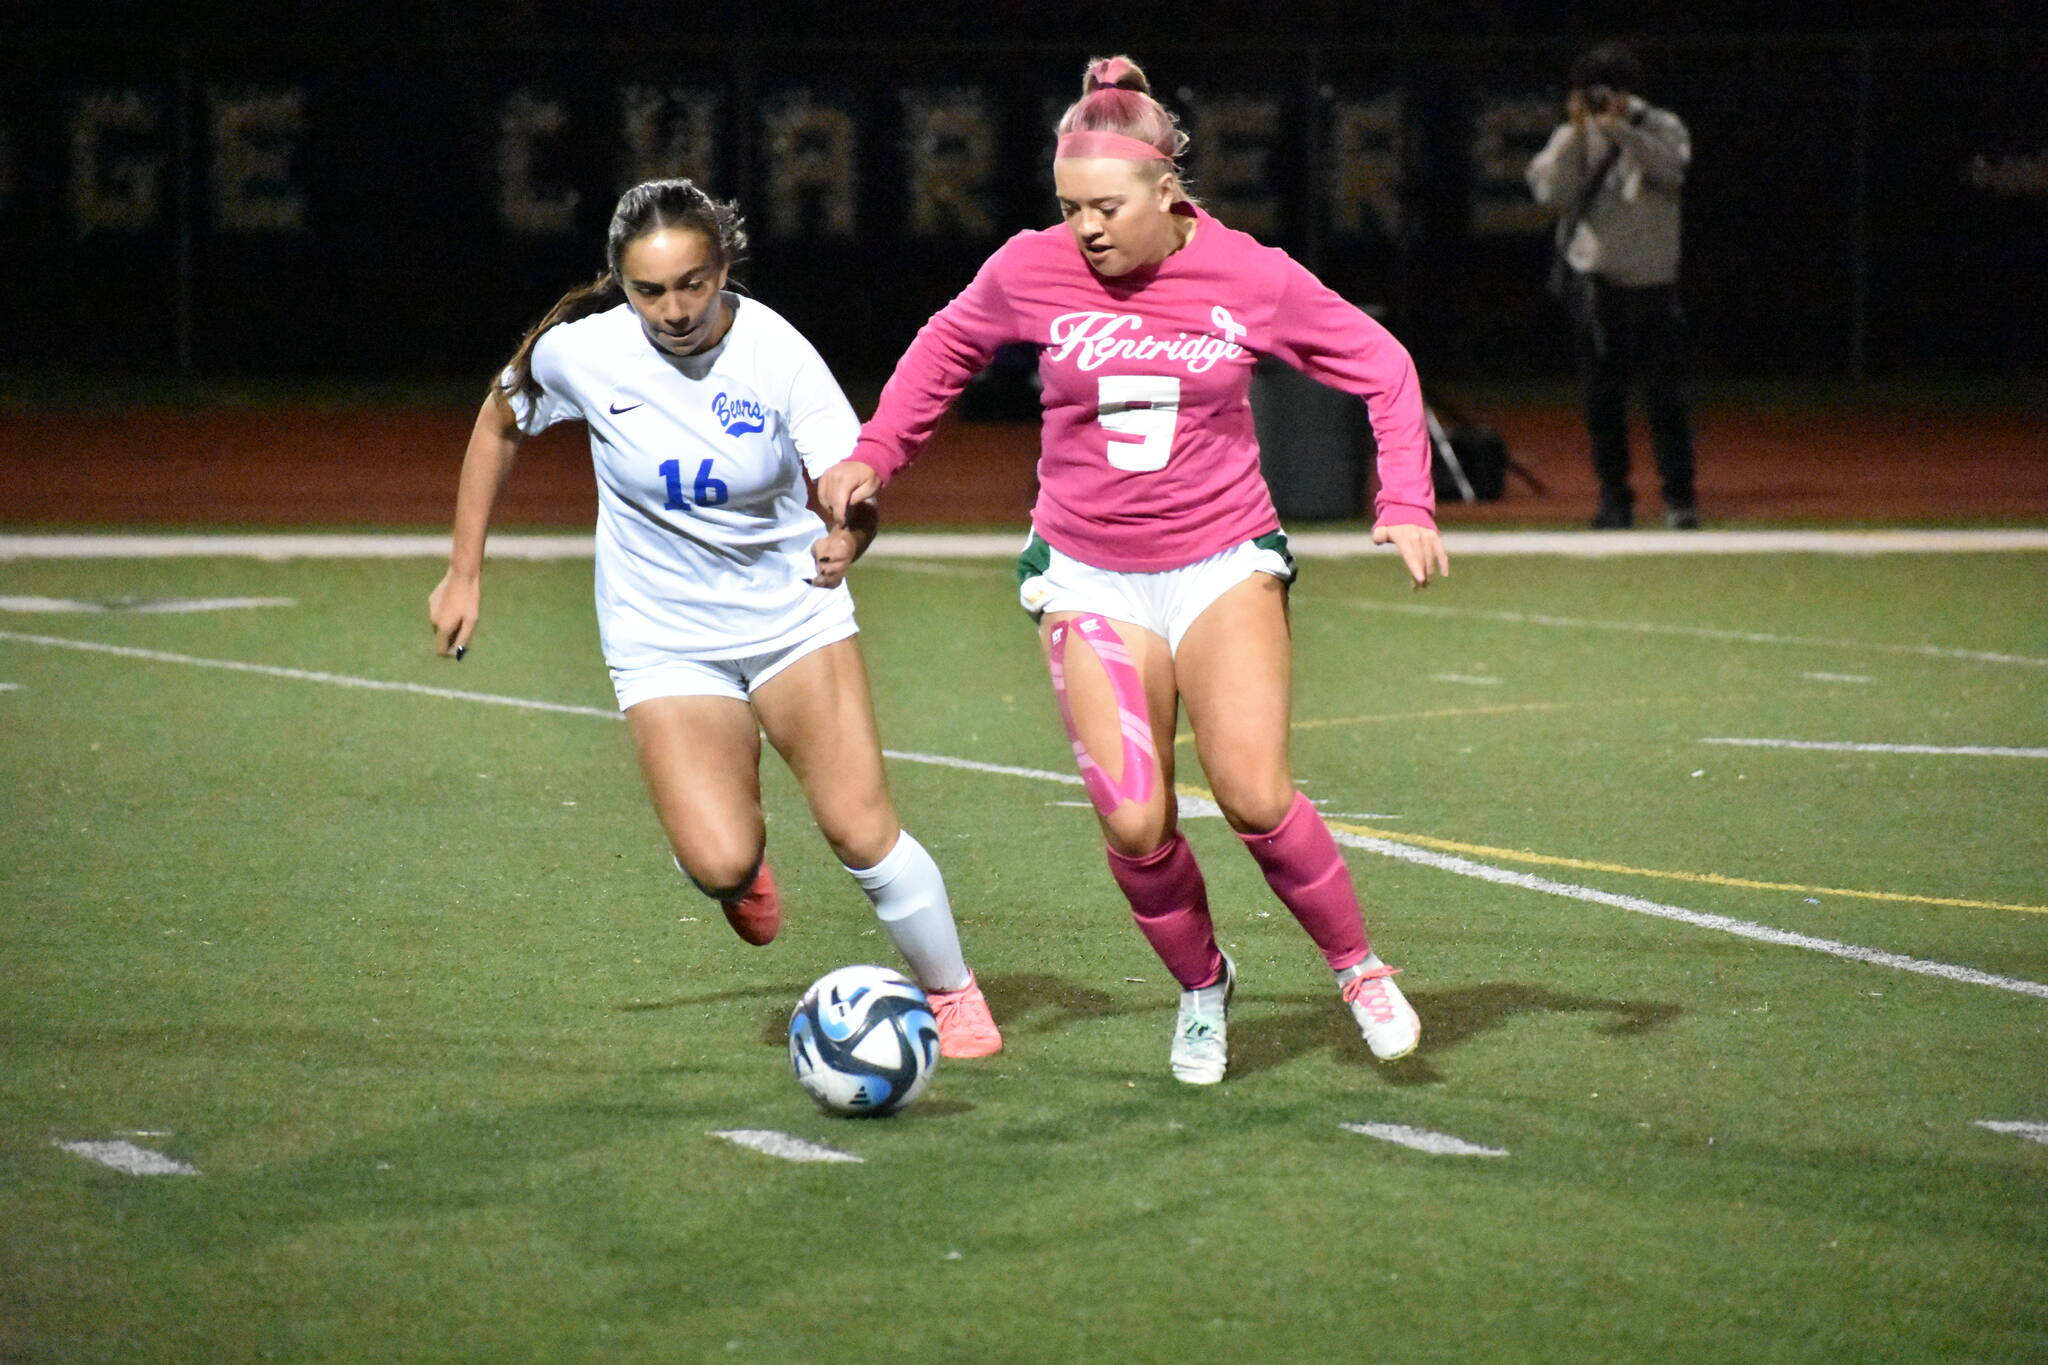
(867, 851)
(1254, 810)
(1134, 832)
(723, 877)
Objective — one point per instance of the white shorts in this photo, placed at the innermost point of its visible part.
(1165, 603)
(735, 678)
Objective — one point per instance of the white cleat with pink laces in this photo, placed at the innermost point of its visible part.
(1386, 1020)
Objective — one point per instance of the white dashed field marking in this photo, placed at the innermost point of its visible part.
(155, 606)
(1445, 862)
(129, 1159)
(1421, 1139)
(782, 1146)
(1838, 677)
(1751, 637)
(10, 687)
(2031, 1131)
(1846, 747)
(1468, 679)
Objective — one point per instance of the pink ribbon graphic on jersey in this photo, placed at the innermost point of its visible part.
(1226, 324)
(1135, 783)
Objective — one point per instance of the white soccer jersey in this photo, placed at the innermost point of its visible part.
(703, 536)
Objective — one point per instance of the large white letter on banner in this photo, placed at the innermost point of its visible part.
(949, 145)
(669, 134)
(115, 190)
(810, 155)
(1506, 133)
(1234, 140)
(253, 138)
(523, 204)
(1368, 144)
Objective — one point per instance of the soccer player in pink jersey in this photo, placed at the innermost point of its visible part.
(1157, 568)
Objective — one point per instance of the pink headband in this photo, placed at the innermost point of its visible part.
(1107, 144)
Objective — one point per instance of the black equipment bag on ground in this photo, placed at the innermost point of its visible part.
(1480, 455)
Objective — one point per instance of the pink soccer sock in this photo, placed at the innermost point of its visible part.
(1171, 906)
(1307, 872)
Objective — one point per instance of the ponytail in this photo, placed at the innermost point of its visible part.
(517, 376)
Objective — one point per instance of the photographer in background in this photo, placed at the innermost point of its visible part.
(1614, 171)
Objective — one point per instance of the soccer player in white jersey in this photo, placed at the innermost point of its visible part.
(721, 599)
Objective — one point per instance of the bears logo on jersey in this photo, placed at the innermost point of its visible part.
(738, 415)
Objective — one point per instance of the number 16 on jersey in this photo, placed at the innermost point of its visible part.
(709, 492)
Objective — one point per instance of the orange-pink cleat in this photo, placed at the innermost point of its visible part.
(966, 1028)
(757, 915)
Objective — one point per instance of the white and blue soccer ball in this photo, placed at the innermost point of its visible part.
(863, 1041)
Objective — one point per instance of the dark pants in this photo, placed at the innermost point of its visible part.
(1636, 335)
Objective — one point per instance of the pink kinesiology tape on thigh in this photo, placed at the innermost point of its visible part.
(1139, 768)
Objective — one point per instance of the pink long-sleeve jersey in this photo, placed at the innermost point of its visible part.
(1148, 459)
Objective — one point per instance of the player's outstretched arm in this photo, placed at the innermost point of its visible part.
(844, 486)
(1422, 550)
(455, 604)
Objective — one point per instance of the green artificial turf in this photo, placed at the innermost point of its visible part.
(410, 982)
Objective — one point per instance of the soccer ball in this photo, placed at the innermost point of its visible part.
(863, 1041)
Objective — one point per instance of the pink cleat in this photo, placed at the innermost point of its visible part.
(757, 915)
(966, 1028)
(1385, 1019)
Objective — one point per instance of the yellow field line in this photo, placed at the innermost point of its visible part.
(1515, 855)
(1440, 713)
(1698, 878)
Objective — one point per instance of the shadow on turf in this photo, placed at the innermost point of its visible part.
(1449, 1018)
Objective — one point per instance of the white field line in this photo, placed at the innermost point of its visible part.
(129, 1159)
(1750, 637)
(303, 675)
(1006, 544)
(1427, 857)
(1762, 933)
(1839, 677)
(1422, 1139)
(169, 606)
(2032, 1132)
(1847, 747)
(971, 765)
(783, 1146)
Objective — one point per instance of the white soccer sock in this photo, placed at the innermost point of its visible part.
(909, 897)
(1360, 968)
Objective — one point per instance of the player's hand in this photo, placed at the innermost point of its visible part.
(1577, 110)
(843, 485)
(835, 552)
(452, 609)
(1422, 550)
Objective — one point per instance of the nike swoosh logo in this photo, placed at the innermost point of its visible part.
(616, 409)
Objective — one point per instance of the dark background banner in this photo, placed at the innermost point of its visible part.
(1861, 205)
